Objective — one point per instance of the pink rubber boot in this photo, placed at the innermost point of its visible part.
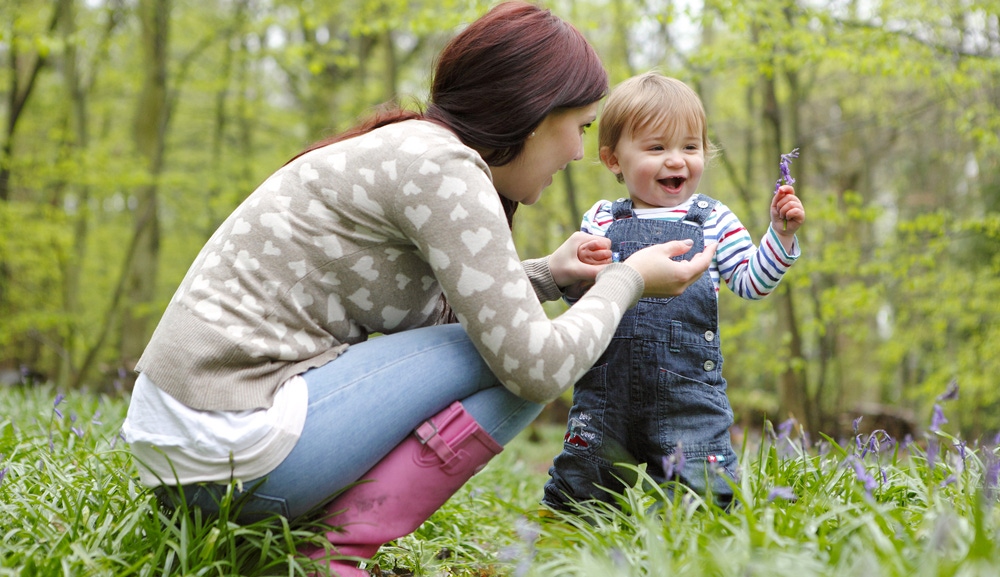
(406, 487)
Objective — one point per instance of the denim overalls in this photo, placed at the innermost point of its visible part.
(656, 395)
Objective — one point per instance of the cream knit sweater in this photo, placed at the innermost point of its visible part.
(370, 235)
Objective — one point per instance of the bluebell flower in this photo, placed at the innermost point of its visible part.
(937, 419)
(961, 450)
(786, 173)
(673, 464)
(862, 473)
(618, 558)
(785, 493)
(951, 392)
(3, 473)
(527, 531)
(948, 481)
(874, 445)
(785, 428)
(55, 405)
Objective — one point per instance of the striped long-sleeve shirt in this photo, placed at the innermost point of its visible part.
(750, 271)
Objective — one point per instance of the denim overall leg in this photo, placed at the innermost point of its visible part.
(656, 395)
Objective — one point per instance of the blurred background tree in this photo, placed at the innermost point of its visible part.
(132, 127)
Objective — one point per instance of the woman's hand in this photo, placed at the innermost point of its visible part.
(579, 259)
(665, 277)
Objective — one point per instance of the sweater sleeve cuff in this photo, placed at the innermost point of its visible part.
(541, 279)
(619, 283)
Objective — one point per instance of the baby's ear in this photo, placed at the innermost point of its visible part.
(610, 159)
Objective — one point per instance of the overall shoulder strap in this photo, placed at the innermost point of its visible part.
(621, 208)
(701, 209)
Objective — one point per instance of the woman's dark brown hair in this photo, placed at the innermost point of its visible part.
(499, 78)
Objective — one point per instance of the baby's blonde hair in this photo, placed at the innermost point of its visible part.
(652, 99)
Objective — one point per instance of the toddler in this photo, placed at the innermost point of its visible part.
(657, 395)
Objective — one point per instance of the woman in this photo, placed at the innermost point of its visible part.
(261, 368)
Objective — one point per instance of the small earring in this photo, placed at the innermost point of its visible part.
(532, 135)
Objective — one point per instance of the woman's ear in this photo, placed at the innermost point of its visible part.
(610, 160)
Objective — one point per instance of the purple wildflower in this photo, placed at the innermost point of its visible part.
(524, 551)
(618, 558)
(785, 493)
(785, 428)
(874, 445)
(77, 431)
(948, 481)
(527, 531)
(951, 393)
(932, 453)
(680, 459)
(673, 464)
(786, 173)
(856, 423)
(938, 418)
(55, 405)
(3, 473)
(862, 473)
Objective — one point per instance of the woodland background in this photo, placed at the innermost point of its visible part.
(131, 128)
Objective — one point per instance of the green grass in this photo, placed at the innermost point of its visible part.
(70, 505)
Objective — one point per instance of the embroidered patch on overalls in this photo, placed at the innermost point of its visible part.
(577, 431)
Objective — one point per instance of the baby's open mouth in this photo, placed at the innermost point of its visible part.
(673, 182)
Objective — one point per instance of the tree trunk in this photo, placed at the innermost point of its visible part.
(149, 133)
(792, 383)
(17, 98)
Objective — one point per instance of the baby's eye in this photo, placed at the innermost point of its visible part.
(583, 129)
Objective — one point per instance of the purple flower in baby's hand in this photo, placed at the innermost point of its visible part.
(786, 173)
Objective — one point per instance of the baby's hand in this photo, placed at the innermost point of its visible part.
(594, 252)
(787, 213)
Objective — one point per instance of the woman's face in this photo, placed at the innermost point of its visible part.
(557, 141)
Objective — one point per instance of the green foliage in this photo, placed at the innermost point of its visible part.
(70, 504)
(893, 105)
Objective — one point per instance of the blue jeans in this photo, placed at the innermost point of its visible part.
(364, 403)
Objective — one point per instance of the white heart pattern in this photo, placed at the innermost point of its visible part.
(307, 173)
(472, 281)
(417, 215)
(475, 241)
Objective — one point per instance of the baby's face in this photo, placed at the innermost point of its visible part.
(661, 165)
